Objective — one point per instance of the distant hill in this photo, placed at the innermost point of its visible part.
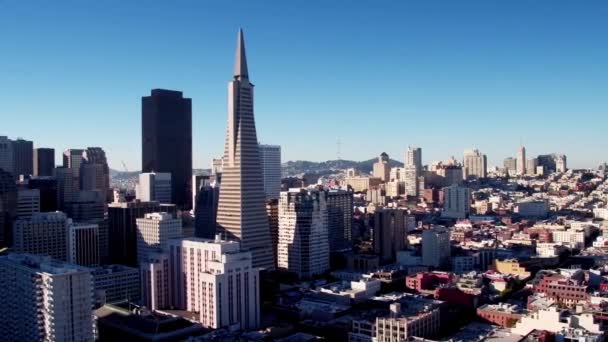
(292, 168)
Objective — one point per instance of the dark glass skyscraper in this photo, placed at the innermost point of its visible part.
(23, 157)
(44, 161)
(167, 140)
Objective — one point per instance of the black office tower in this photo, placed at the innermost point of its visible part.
(44, 161)
(167, 140)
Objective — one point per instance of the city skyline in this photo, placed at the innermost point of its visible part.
(457, 75)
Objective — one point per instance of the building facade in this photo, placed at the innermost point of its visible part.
(270, 157)
(166, 118)
(154, 231)
(44, 161)
(241, 213)
(303, 246)
(43, 234)
(154, 186)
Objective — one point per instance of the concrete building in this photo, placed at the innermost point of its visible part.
(531, 166)
(555, 320)
(241, 213)
(381, 168)
(72, 159)
(122, 228)
(417, 317)
(43, 234)
(44, 300)
(475, 164)
(28, 203)
(166, 118)
(303, 246)
(411, 181)
(340, 219)
(154, 231)
(450, 174)
(413, 158)
(502, 314)
(436, 247)
(510, 165)
(362, 183)
(227, 284)
(389, 233)
(83, 244)
(154, 186)
(521, 161)
(457, 202)
(532, 209)
(154, 279)
(270, 157)
(116, 283)
(44, 161)
(94, 172)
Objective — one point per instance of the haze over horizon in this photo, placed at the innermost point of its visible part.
(442, 76)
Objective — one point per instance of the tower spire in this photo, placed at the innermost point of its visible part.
(240, 62)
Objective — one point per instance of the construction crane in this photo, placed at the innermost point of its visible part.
(124, 166)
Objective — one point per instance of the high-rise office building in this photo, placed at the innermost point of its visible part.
(381, 168)
(241, 213)
(122, 228)
(94, 172)
(154, 279)
(8, 207)
(340, 219)
(44, 161)
(6, 154)
(42, 234)
(154, 231)
(167, 141)
(116, 283)
(521, 161)
(272, 211)
(413, 157)
(435, 247)
(47, 186)
(553, 162)
(475, 164)
(28, 203)
(67, 186)
(303, 246)
(390, 229)
(23, 157)
(510, 165)
(154, 186)
(270, 157)
(83, 244)
(205, 213)
(44, 300)
(198, 182)
(72, 158)
(531, 165)
(411, 181)
(217, 279)
(457, 201)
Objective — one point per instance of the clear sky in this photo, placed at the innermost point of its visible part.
(379, 75)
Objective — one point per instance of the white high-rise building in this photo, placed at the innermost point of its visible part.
(531, 166)
(303, 246)
(413, 157)
(411, 181)
(475, 164)
(457, 201)
(42, 234)
(435, 246)
(44, 300)
(521, 161)
(154, 186)
(216, 279)
(241, 212)
(28, 203)
(382, 168)
(154, 232)
(83, 244)
(270, 157)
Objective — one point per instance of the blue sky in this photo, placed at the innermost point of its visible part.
(379, 75)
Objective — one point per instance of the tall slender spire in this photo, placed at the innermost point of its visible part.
(240, 62)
